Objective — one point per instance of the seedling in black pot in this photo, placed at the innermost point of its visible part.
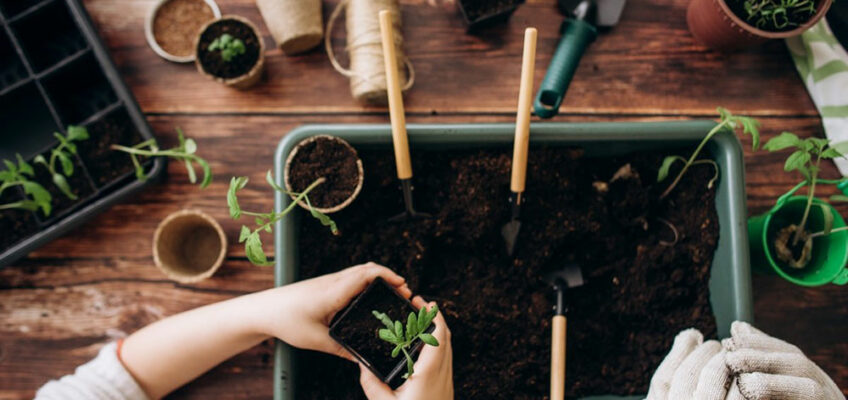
(371, 328)
(18, 175)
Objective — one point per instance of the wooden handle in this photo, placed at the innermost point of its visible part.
(399, 139)
(522, 118)
(558, 358)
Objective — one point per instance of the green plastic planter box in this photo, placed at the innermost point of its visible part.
(730, 283)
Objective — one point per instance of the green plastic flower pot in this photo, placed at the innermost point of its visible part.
(830, 253)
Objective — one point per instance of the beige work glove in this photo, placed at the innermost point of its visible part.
(693, 369)
(769, 368)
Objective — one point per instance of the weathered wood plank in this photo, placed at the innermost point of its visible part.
(648, 64)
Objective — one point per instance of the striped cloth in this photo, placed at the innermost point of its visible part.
(823, 65)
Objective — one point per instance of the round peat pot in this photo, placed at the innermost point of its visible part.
(189, 246)
(175, 22)
(241, 70)
(332, 158)
(715, 25)
(829, 253)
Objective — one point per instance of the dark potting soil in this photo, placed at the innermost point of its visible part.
(638, 293)
(475, 9)
(104, 164)
(79, 183)
(331, 160)
(358, 327)
(15, 224)
(239, 65)
(794, 18)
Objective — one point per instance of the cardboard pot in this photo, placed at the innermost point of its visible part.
(189, 246)
(356, 190)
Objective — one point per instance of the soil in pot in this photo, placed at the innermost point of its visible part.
(15, 224)
(178, 22)
(78, 181)
(792, 19)
(239, 65)
(104, 164)
(476, 9)
(638, 292)
(330, 159)
(357, 327)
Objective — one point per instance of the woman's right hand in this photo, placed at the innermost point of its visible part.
(433, 377)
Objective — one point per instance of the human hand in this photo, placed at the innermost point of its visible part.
(433, 377)
(301, 312)
(769, 368)
(693, 369)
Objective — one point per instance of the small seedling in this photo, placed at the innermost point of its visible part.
(185, 152)
(727, 120)
(779, 13)
(229, 46)
(416, 328)
(806, 159)
(18, 175)
(265, 221)
(64, 154)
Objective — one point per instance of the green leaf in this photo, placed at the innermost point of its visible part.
(841, 148)
(253, 249)
(422, 318)
(236, 184)
(398, 329)
(39, 159)
(428, 318)
(11, 166)
(244, 234)
(783, 141)
(839, 198)
(384, 319)
(429, 339)
(62, 183)
(41, 197)
(751, 127)
(667, 162)
(207, 172)
(24, 167)
(190, 146)
(269, 177)
(77, 133)
(67, 163)
(323, 218)
(387, 335)
(827, 218)
(192, 176)
(396, 351)
(796, 160)
(411, 326)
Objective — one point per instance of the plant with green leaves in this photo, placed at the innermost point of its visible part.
(184, 152)
(37, 197)
(806, 159)
(64, 154)
(265, 221)
(229, 46)
(727, 121)
(778, 14)
(402, 339)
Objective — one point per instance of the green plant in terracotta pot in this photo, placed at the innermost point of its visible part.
(803, 238)
(726, 25)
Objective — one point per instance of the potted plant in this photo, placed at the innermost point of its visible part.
(230, 51)
(379, 325)
(803, 238)
(726, 25)
(481, 13)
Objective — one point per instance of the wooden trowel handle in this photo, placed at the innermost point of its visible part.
(522, 118)
(396, 113)
(558, 358)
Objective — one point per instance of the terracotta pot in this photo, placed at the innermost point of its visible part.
(356, 190)
(189, 246)
(244, 81)
(714, 25)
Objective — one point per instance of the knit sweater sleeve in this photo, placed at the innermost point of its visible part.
(103, 378)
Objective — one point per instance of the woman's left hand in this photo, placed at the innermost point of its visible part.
(300, 313)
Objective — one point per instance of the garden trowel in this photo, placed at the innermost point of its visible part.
(522, 140)
(580, 28)
(566, 278)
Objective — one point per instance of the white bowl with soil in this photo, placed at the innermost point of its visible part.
(328, 157)
(172, 25)
(189, 246)
(236, 68)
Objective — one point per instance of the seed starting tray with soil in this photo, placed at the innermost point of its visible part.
(638, 292)
(56, 73)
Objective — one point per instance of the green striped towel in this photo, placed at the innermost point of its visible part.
(823, 65)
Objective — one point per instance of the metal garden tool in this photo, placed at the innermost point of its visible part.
(566, 278)
(400, 140)
(580, 28)
(522, 140)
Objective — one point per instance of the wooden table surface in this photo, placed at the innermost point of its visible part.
(98, 283)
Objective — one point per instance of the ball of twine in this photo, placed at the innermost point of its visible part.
(296, 25)
(367, 71)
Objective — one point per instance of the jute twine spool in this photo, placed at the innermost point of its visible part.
(367, 71)
(296, 25)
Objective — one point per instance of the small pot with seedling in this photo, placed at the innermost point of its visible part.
(726, 25)
(230, 50)
(379, 326)
(803, 238)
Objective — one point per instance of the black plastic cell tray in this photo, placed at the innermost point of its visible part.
(55, 72)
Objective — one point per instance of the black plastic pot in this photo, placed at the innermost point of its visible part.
(56, 72)
(355, 328)
(499, 12)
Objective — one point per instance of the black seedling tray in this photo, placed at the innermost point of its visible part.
(55, 72)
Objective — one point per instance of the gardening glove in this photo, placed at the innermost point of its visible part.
(693, 369)
(769, 368)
